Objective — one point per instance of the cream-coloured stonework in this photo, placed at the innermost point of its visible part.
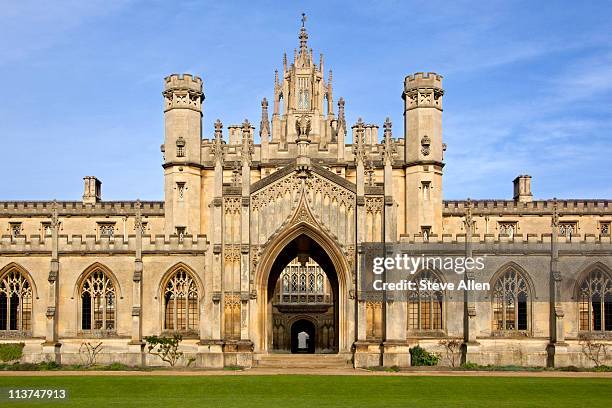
(313, 186)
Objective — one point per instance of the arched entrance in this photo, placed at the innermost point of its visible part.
(303, 243)
(303, 336)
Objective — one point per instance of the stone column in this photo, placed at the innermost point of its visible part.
(395, 349)
(51, 346)
(210, 345)
(470, 347)
(136, 345)
(557, 347)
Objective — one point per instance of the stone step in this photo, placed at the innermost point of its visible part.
(303, 361)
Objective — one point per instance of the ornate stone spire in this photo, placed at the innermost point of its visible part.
(389, 150)
(469, 219)
(217, 147)
(341, 117)
(264, 125)
(370, 173)
(358, 141)
(303, 35)
(247, 149)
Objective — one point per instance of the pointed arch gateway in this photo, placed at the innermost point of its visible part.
(303, 237)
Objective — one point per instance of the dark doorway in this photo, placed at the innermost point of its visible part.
(303, 337)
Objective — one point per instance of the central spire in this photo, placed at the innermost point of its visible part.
(303, 36)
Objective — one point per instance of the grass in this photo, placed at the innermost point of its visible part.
(318, 391)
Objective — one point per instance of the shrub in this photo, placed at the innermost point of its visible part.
(470, 366)
(116, 367)
(166, 348)
(452, 347)
(421, 357)
(11, 351)
(89, 353)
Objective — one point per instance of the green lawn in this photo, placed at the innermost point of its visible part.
(293, 391)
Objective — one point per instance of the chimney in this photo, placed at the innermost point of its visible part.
(93, 190)
(522, 189)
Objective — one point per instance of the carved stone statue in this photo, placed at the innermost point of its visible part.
(302, 126)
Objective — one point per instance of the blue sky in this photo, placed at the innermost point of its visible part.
(528, 85)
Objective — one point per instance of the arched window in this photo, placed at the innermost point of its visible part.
(98, 302)
(181, 309)
(15, 302)
(595, 302)
(510, 302)
(425, 306)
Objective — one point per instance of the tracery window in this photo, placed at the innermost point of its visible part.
(303, 283)
(425, 306)
(181, 302)
(508, 228)
(16, 229)
(568, 229)
(595, 302)
(107, 229)
(15, 303)
(98, 302)
(510, 302)
(604, 227)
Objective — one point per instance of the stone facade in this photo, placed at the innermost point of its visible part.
(206, 261)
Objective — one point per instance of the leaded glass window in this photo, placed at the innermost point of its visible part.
(425, 306)
(510, 302)
(595, 302)
(181, 303)
(15, 302)
(98, 302)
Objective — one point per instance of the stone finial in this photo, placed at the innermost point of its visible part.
(54, 215)
(389, 150)
(247, 149)
(264, 124)
(138, 216)
(469, 219)
(341, 117)
(555, 214)
(217, 147)
(359, 141)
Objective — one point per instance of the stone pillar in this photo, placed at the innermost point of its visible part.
(395, 348)
(136, 345)
(51, 346)
(470, 351)
(245, 345)
(557, 347)
(210, 345)
(361, 346)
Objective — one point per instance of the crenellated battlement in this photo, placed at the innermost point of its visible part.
(423, 80)
(24, 245)
(517, 240)
(186, 82)
(537, 207)
(64, 208)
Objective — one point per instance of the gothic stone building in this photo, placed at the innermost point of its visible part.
(256, 243)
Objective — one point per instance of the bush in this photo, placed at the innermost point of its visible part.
(470, 366)
(116, 367)
(421, 357)
(166, 348)
(11, 351)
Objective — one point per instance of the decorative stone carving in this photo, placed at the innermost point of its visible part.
(425, 145)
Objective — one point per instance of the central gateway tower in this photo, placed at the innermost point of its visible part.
(285, 218)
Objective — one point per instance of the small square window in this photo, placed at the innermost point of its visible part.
(180, 188)
(106, 229)
(16, 228)
(508, 228)
(181, 231)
